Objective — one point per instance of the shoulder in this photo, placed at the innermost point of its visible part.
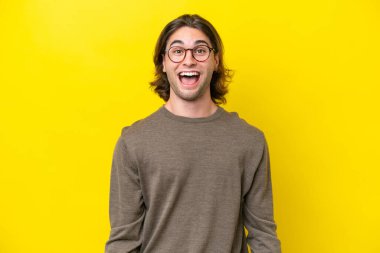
(243, 129)
(141, 127)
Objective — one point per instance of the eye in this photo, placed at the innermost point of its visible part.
(200, 50)
(176, 51)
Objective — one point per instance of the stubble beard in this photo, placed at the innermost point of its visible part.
(190, 95)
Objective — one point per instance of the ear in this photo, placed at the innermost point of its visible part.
(216, 59)
(163, 63)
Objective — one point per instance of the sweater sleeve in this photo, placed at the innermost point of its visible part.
(126, 206)
(258, 209)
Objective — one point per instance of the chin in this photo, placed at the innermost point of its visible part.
(191, 95)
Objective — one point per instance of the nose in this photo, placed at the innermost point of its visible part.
(189, 59)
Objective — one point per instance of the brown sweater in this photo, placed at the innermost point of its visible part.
(191, 185)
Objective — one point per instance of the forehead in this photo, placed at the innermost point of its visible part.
(188, 36)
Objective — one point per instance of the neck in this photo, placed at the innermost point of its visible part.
(191, 109)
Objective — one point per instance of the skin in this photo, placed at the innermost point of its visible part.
(193, 101)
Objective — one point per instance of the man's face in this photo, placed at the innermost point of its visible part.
(189, 79)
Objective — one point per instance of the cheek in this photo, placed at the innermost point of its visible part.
(171, 76)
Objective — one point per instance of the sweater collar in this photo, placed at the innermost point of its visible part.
(219, 111)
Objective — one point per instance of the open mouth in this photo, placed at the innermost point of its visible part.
(189, 77)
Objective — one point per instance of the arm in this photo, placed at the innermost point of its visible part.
(258, 210)
(126, 208)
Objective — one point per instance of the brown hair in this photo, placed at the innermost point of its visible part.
(220, 78)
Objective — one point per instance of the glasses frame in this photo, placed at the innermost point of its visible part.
(192, 53)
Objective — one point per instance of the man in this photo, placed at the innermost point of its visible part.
(190, 176)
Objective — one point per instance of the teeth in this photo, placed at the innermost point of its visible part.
(189, 74)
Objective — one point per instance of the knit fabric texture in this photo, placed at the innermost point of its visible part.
(191, 185)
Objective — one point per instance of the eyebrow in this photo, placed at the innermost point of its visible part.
(197, 42)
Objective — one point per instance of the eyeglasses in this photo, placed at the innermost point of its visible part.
(200, 53)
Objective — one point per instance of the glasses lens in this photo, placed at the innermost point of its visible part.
(176, 54)
(201, 53)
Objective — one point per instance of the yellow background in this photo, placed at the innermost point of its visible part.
(74, 72)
